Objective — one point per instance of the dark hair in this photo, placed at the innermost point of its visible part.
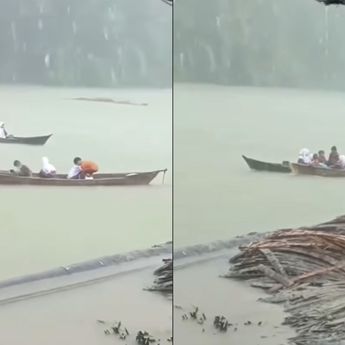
(315, 156)
(334, 148)
(76, 160)
(321, 152)
(16, 163)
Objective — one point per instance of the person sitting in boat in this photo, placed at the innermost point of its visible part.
(3, 132)
(21, 169)
(315, 162)
(340, 164)
(75, 172)
(304, 157)
(88, 168)
(322, 157)
(333, 157)
(82, 169)
(48, 170)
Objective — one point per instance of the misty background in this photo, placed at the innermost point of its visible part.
(279, 66)
(295, 43)
(106, 43)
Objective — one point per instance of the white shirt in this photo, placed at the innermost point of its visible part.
(2, 133)
(47, 167)
(75, 170)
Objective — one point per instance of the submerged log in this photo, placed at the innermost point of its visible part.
(274, 275)
(164, 280)
(274, 261)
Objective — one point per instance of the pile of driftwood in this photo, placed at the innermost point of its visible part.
(305, 268)
(164, 280)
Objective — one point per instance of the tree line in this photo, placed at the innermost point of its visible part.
(295, 43)
(85, 42)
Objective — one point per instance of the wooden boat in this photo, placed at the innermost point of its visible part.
(26, 140)
(265, 166)
(302, 169)
(118, 179)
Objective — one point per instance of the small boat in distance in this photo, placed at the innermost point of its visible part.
(302, 169)
(116, 179)
(254, 164)
(26, 140)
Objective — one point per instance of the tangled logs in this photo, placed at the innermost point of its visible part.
(164, 280)
(305, 268)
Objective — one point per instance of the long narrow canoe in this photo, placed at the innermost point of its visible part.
(26, 140)
(118, 179)
(265, 166)
(316, 171)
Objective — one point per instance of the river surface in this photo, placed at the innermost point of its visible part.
(216, 195)
(44, 227)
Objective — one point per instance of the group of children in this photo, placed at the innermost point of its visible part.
(319, 159)
(80, 170)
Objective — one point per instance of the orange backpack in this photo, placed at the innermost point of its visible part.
(89, 167)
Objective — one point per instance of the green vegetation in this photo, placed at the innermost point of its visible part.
(85, 42)
(260, 43)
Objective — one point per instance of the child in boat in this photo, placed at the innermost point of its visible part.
(304, 157)
(3, 132)
(315, 161)
(21, 169)
(340, 163)
(75, 172)
(322, 157)
(82, 169)
(48, 170)
(333, 157)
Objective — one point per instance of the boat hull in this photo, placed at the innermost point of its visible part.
(301, 169)
(266, 166)
(122, 179)
(26, 140)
